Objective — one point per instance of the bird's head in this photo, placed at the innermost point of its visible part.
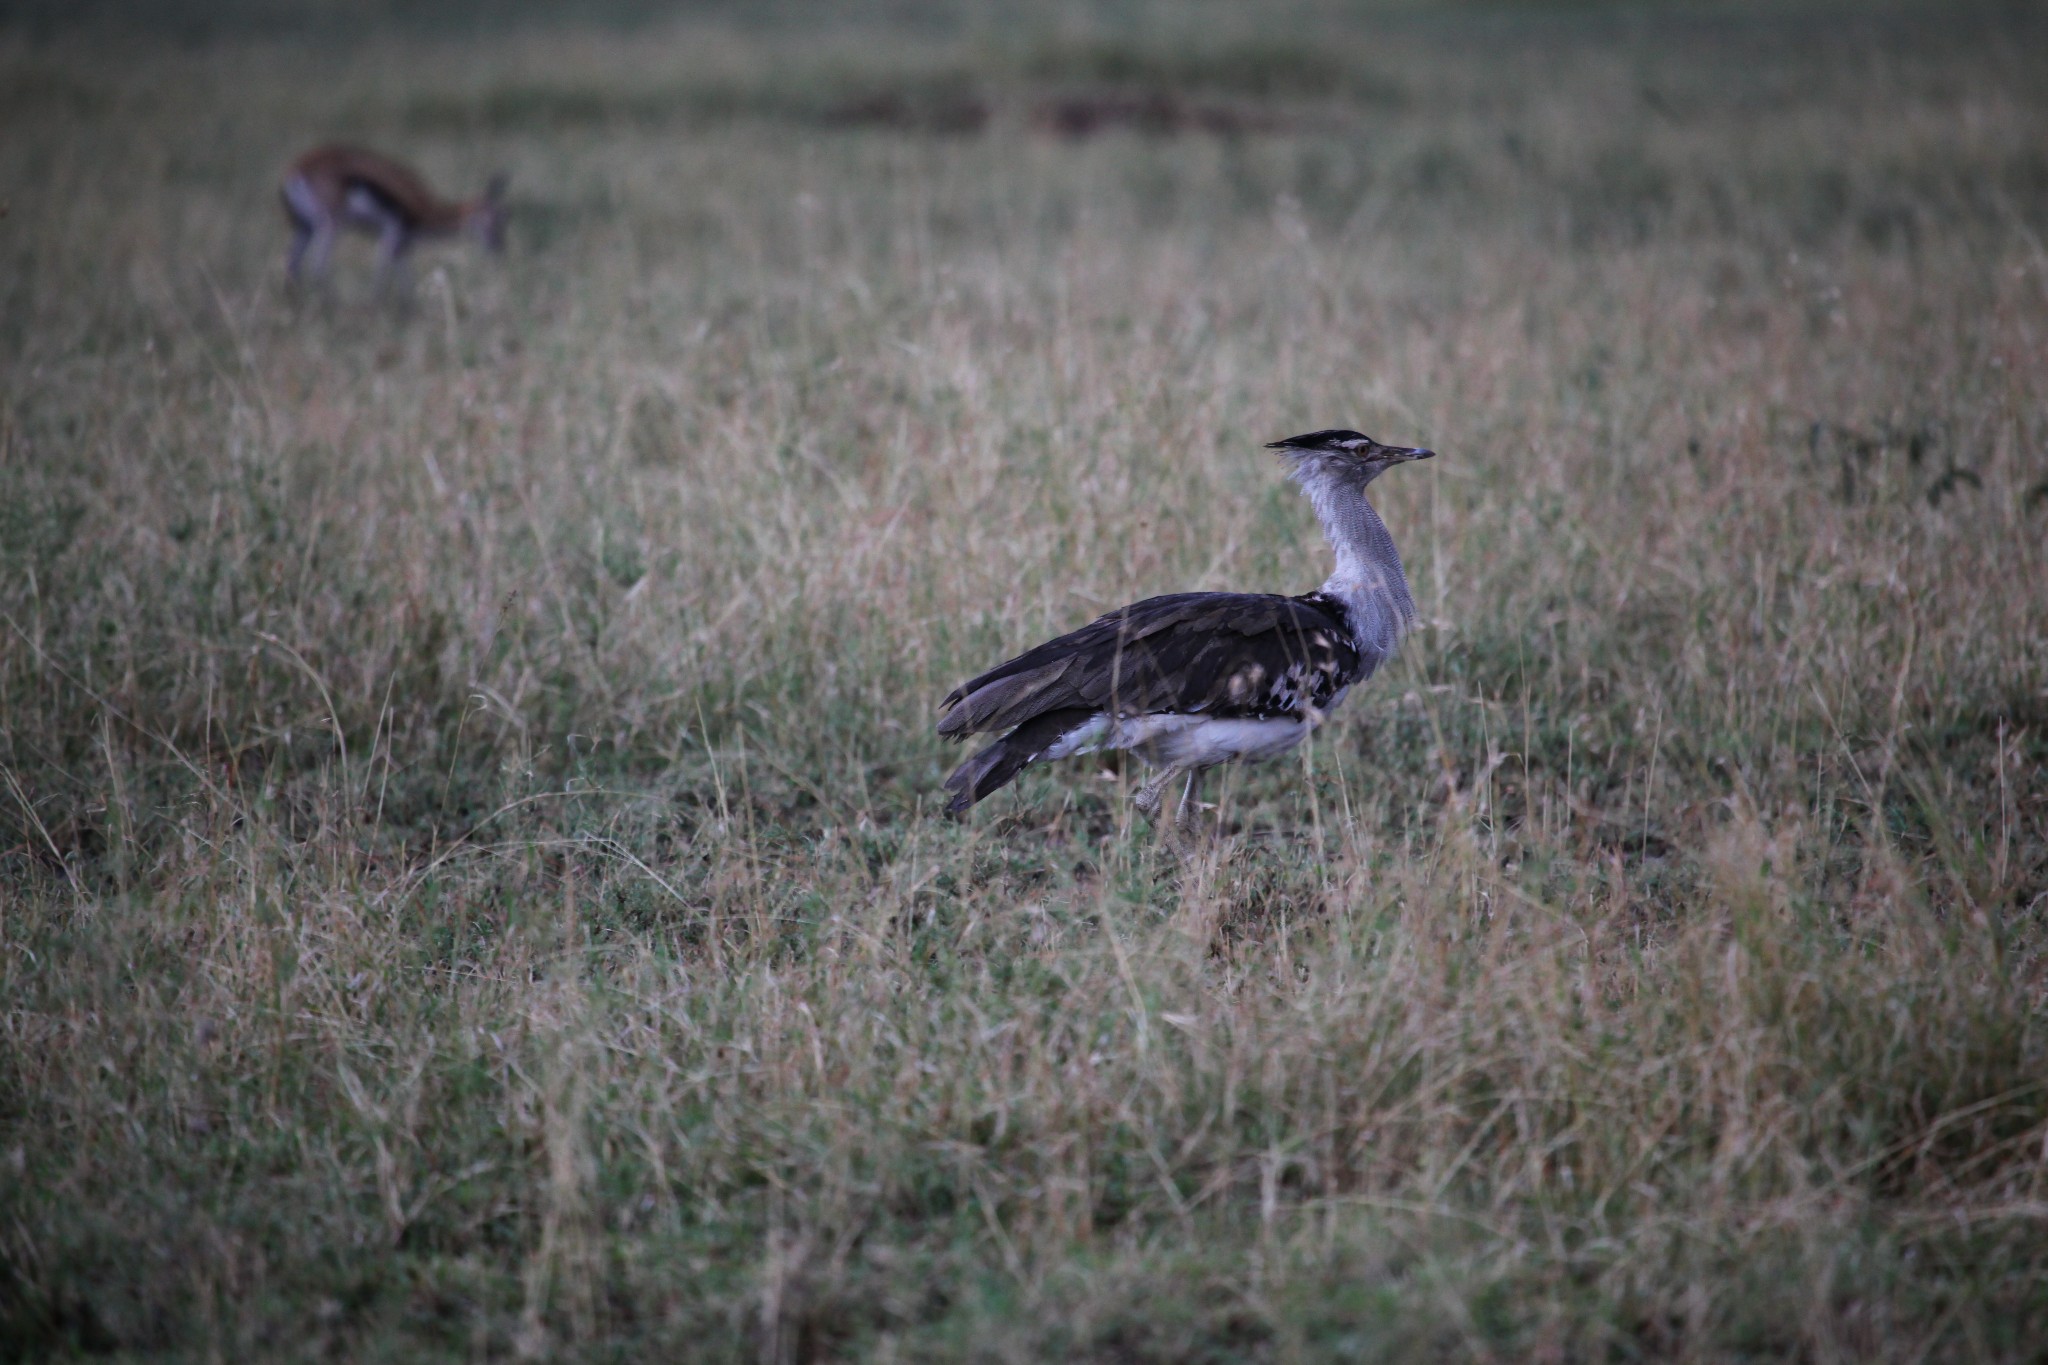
(1344, 454)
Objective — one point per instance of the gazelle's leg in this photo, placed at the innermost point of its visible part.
(322, 248)
(391, 244)
(313, 227)
(301, 235)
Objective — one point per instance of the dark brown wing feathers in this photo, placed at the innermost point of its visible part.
(1221, 654)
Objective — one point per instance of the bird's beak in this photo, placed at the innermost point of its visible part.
(1418, 453)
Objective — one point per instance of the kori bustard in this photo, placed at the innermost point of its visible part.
(1195, 679)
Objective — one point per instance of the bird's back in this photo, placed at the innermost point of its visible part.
(1216, 654)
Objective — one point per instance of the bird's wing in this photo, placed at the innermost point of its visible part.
(1220, 654)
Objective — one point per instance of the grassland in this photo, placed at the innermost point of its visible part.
(471, 882)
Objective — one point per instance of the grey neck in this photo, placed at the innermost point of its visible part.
(1369, 579)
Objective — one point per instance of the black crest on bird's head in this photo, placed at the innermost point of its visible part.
(1340, 450)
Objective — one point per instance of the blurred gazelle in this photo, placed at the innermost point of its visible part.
(333, 187)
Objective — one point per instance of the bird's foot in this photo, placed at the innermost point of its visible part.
(1193, 837)
(1187, 833)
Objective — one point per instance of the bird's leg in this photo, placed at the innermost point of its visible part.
(1146, 798)
(1191, 834)
(1190, 800)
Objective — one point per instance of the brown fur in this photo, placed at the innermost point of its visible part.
(335, 187)
(331, 170)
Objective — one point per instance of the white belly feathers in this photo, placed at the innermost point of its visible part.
(1183, 741)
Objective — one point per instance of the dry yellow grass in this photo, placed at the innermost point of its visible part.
(468, 845)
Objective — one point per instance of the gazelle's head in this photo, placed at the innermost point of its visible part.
(1342, 454)
(484, 216)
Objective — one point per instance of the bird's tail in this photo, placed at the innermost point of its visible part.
(988, 770)
(994, 767)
